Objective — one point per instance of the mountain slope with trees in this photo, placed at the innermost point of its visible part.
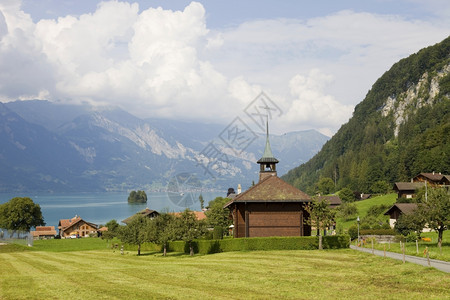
(400, 129)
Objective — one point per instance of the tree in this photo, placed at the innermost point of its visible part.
(325, 185)
(134, 232)
(202, 201)
(411, 222)
(435, 209)
(347, 211)
(189, 228)
(113, 230)
(20, 214)
(217, 216)
(321, 215)
(347, 195)
(161, 230)
(137, 197)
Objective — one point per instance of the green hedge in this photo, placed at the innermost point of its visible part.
(377, 232)
(249, 244)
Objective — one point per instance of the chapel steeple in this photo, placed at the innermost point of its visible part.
(267, 162)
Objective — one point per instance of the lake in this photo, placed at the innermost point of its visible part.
(99, 208)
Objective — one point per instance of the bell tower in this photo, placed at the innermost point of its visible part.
(267, 162)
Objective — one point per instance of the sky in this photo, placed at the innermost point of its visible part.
(208, 60)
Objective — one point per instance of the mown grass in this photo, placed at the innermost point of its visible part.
(411, 248)
(62, 245)
(104, 274)
(364, 205)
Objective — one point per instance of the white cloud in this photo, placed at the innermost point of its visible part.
(164, 63)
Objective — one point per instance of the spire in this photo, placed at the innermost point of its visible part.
(267, 155)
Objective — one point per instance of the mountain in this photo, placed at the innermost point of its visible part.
(50, 146)
(400, 129)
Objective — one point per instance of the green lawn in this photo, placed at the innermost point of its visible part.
(106, 274)
(411, 248)
(363, 207)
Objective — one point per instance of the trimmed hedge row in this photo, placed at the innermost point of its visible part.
(249, 244)
(377, 232)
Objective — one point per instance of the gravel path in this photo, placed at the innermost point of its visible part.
(438, 264)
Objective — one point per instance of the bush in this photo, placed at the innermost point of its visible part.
(377, 232)
(218, 233)
(353, 232)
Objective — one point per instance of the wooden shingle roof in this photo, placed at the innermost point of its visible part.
(271, 189)
(405, 208)
(408, 186)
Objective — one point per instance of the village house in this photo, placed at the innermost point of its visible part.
(44, 232)
(408, 189)
(397, 210)
(272, 207)
(147, 212)
(76, 227)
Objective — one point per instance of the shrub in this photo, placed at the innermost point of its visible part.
(353, 232)
(218, 233)
(377, 232)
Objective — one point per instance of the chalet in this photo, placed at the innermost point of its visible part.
(272, 207)
(44, 232)
(398, 209)
(149, 213)
(76, 226)
(407, 189)
(433, 179)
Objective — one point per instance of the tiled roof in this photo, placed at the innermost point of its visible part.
(64, 223)
(200, 215)
(405, 208)
(44, 230)
(271, 189)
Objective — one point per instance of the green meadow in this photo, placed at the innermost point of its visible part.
(52, 272)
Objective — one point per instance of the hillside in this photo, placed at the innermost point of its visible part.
(400, 129)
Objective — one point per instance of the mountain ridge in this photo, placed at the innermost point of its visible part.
(400, 129)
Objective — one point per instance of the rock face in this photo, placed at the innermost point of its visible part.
(418, 95)
(50, 147)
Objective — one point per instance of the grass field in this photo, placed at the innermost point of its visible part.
(106, 274)
(363, 207)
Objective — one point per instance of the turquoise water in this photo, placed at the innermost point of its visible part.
(99, 208)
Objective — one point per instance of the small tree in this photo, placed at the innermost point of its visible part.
(202, 201)
(347, 211)
(135, 232)
(20, 214)
(161, 230)
(325, 185)
(347, 195)
(321, 215)
(188, 228)
(113, 230)
(411, 222)
(217, 216)
(435, 209)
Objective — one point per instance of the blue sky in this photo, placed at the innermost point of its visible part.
(207, 60)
